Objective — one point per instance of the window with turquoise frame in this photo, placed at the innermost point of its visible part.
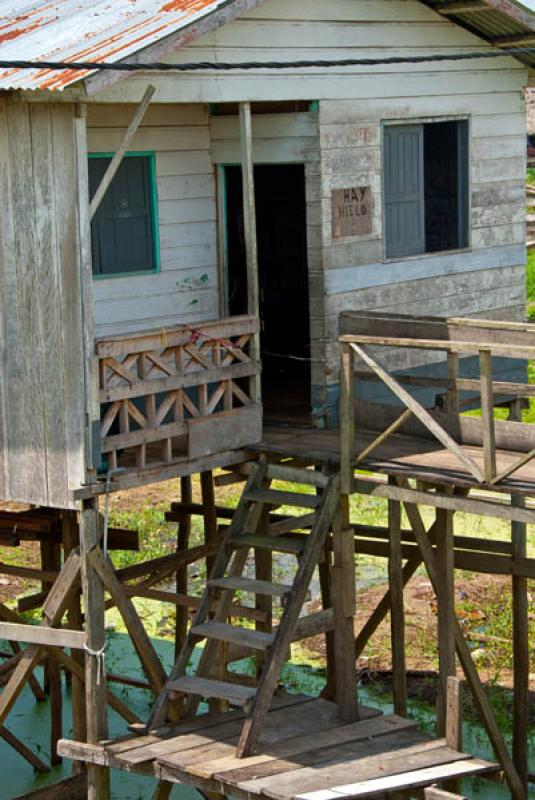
(124, 229)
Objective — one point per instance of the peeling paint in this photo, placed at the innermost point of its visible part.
(70, 30)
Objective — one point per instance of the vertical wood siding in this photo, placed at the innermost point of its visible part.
(42, 394)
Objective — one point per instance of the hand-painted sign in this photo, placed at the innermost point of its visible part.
(351, 211)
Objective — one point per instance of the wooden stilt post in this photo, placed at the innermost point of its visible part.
(209, 514)
(520, 635)
(343, 590)
(183, 536)
(51, 562)
(95, 683)
(263, 572)
(446, 611)
(397, 614)
(71, 540)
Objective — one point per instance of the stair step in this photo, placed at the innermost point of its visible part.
(236, 695)
(277, 498)
(256, 640)
(251, 585)
(281, 544)
(283, 472)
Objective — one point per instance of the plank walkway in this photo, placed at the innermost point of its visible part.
(304, 752)
(400, 454)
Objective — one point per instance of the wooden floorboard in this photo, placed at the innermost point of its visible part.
(398, 455)
(305, 751)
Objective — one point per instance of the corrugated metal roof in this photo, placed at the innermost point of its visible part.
(86, 30)
(112, 30)
(502, 22)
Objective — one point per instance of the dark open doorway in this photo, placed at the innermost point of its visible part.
(283, 281)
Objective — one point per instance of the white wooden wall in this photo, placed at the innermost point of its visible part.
(185, 289)
(352, 273)
(42, 404)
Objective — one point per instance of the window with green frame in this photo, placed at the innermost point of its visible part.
(124, 229)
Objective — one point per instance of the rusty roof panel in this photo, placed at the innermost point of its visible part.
(86, 30)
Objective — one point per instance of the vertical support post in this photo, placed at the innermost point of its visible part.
(397, 613)
(445, 591)
(520, 651)
(183, 535)
(347, 417)
(95, 681)
(91, 366)
(454, 724)
(343, 591)
(452, 395)
(71, 540)
(263, 560)
(51, 561)
(209, 515)
(249, 226)
(487, 411)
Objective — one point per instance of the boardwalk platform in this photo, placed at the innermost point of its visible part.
(400, 455)
(305, 751)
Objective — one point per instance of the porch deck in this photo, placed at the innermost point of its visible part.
(400, 455)
(305, 752)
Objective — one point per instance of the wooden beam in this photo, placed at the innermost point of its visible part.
(419, 412)
(74, 788)
(521, 651)
(397, 611)
(42, 635)
(487, 412)
(98, 779)
(452, 9)
(249, 225)
(115, 163)
(486, 508)
(472, 677)
(445, 591)
(514, 41)
(147, 655)
(347, 417)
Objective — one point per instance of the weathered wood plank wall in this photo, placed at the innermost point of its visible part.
(488, 279)
(185, 289)
(41, 338)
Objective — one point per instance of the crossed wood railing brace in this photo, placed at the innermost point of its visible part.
(413, 407)
(485, 385)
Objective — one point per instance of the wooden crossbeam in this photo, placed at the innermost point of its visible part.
(142, 643)
(54, 607)
(470, 671)
(121, 150)
(420, 412)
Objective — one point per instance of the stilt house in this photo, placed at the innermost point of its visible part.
(147, 324)
(189, 251)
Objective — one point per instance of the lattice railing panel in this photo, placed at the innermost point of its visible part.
(153, 384)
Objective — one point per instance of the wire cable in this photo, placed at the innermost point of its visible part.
(197, 66)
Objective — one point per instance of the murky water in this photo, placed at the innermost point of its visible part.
(29, 721)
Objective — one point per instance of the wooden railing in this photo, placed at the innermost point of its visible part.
(454, 338)
(184, 392)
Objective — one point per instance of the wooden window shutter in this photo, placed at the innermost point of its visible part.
(404, 190)
(122, 230)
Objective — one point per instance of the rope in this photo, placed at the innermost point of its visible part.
(159, 66)
(100, 655)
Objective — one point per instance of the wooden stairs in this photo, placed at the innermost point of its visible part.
(250, 529)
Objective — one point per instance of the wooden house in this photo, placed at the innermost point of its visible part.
(197, 198)
(387, 186)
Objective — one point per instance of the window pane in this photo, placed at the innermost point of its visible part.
(122, 235)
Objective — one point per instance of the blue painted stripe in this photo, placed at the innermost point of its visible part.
(351, 279)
